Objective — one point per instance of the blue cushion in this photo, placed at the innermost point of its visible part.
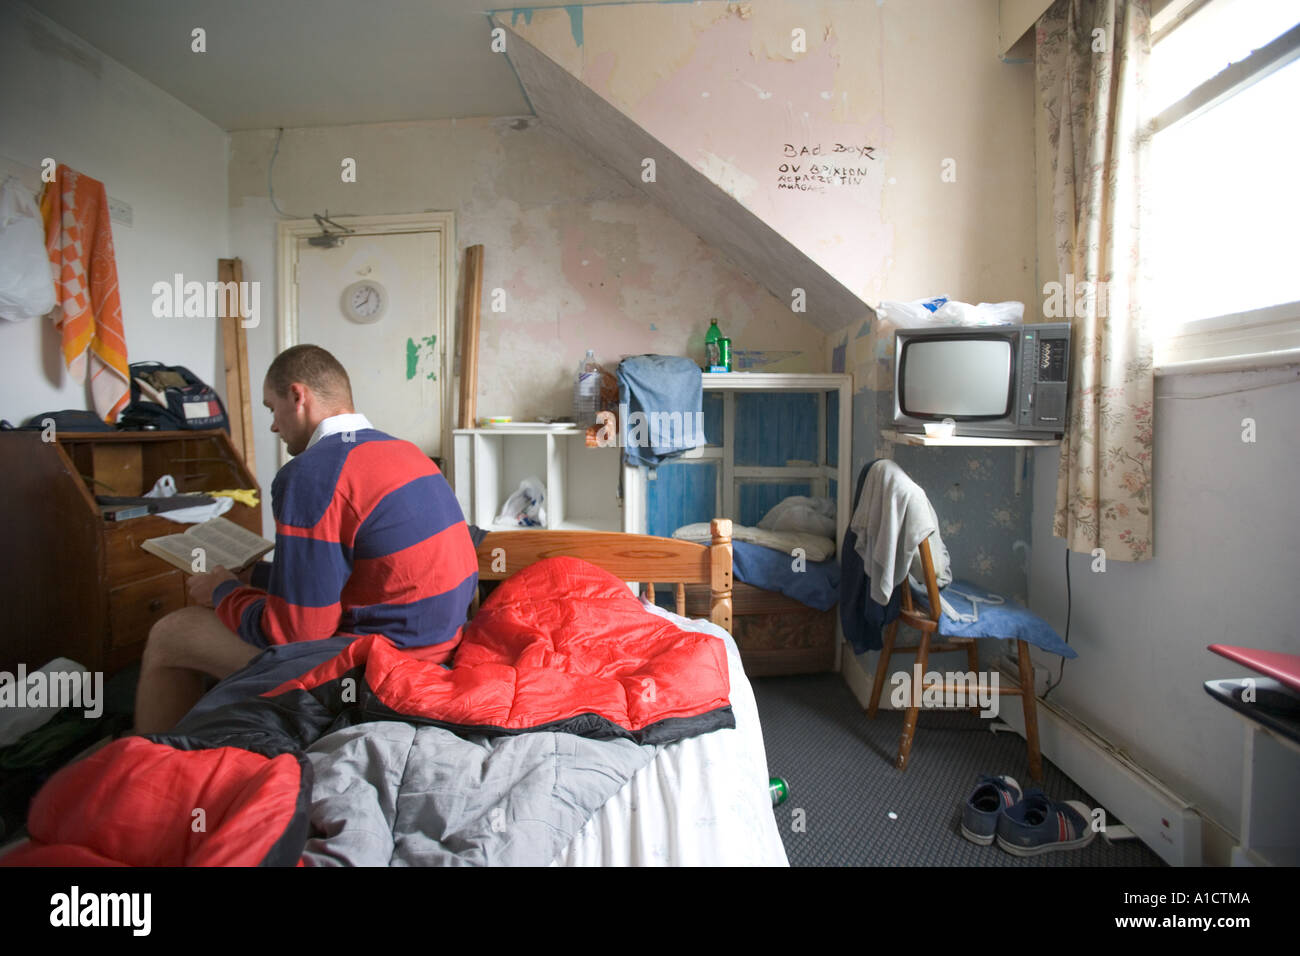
(1007, 621)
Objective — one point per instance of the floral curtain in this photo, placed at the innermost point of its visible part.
(1090, 60)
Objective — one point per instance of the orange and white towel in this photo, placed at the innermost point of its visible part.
(79, 241)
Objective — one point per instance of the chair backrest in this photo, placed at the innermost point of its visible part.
(929, 576)
(931, 585)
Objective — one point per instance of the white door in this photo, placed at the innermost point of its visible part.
(394, 362)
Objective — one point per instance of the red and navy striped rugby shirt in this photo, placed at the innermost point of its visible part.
(369, 540)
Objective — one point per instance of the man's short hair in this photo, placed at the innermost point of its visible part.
(314, 367)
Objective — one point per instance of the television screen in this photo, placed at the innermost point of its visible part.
(957, 378)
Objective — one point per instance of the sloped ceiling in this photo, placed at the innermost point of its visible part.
(570, 106)
(301, 63)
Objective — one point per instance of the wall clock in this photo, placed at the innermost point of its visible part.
(365, 301)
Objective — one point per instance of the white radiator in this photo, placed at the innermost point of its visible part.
(1158, 816)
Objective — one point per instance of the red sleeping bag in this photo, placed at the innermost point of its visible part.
(561, 646)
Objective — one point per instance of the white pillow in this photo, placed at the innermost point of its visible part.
(815, 547)
(799, 513)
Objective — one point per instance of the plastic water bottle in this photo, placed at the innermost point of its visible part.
(713, 345)
(586, 391)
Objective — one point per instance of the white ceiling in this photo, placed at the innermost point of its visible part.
(272, 63)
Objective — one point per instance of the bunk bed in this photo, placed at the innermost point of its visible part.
(770, 436)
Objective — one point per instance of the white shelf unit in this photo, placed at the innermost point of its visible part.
(581, 482)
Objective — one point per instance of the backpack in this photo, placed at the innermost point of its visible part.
(171, 398)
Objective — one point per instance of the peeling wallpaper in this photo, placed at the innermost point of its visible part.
(880, 94)
(584, 260)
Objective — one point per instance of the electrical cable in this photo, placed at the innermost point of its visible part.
(1069, 604)
(1069, 601)
(270, 170)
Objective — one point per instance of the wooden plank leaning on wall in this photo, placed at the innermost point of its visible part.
(234, 344)
(470, 303)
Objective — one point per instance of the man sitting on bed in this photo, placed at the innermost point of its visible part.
(369, 540)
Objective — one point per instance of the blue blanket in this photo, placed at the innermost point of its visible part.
(817, 584)
(1007, 620)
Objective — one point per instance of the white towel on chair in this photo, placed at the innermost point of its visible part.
(892, 518)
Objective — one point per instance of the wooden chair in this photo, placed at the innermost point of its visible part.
(926, 621)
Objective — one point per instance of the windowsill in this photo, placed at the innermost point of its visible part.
(1261, 338)
(1231, 363)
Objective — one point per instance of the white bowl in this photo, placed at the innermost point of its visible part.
(940, 429)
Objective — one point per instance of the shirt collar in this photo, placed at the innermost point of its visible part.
(350, 422)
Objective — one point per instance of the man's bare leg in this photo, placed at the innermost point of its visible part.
(183, 646)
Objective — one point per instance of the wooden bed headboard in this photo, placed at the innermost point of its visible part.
(630, 557)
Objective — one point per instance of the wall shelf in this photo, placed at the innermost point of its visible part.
(908, 438)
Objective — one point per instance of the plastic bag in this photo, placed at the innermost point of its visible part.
(26, 288)
(943, 311)
(526, 508)
(907, 315)
(986, 313)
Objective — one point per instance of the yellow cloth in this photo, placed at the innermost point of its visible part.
(245, 496)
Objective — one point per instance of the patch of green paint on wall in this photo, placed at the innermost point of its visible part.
(422, 357)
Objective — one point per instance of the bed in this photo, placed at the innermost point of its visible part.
(360, 785)
(702, 801)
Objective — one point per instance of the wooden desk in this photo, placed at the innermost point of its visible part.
(73, 584)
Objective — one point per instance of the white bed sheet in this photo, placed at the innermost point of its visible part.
(702, 801)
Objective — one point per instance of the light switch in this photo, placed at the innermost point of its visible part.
(120, 211)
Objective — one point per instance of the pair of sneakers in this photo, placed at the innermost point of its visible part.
(1024, 823)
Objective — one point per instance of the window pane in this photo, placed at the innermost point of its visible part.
(1211, 39)
(1225, 205)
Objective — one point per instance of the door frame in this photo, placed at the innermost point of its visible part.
(289, 231)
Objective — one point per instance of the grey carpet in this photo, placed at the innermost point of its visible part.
(839, 766)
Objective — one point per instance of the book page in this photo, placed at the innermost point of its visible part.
(224, 543)
(227, 544)
(175, 549)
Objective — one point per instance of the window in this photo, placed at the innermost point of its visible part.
(1223, 238)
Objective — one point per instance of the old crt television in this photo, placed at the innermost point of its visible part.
(998, 381)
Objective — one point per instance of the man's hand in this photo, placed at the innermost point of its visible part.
(201, 586)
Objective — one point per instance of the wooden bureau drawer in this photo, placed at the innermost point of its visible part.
(133, 609)
(126, 561)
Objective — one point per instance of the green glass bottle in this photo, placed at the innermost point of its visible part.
(778, 789)
(713, 345)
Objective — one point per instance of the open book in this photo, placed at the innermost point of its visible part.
(214, 543)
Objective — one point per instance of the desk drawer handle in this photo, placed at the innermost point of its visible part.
(156, 605)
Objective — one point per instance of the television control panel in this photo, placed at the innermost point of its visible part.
(1044, 371)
